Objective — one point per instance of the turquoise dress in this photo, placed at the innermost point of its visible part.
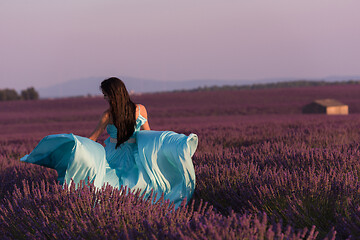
(149, 160)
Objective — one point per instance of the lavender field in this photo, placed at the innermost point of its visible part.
(264, 170)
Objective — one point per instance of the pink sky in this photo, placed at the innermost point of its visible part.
(46, 42)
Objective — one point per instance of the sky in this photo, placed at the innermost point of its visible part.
(45, 42)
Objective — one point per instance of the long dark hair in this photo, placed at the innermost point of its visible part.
(122, 109)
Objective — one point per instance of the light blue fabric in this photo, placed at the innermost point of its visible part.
(158, 160)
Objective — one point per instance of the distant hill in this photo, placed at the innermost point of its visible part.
(86, 86)
(90, 86)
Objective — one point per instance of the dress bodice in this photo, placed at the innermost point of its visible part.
(112, 130)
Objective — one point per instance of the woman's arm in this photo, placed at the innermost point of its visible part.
(103, 122)
(143, 111)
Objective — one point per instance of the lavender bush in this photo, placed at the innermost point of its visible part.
(264, 170)
(46, 210)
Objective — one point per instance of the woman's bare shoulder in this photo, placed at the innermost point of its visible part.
(143, 111)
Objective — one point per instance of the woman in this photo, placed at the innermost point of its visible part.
(141, 160)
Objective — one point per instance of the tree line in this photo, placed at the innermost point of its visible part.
(11, 94)
(286, 84)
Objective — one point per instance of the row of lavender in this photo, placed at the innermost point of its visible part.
(260, 165)
(228, 181)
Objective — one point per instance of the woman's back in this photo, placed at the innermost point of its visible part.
(140, 112)
(140, 121)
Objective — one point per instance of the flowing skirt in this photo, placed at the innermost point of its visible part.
(154, 160)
